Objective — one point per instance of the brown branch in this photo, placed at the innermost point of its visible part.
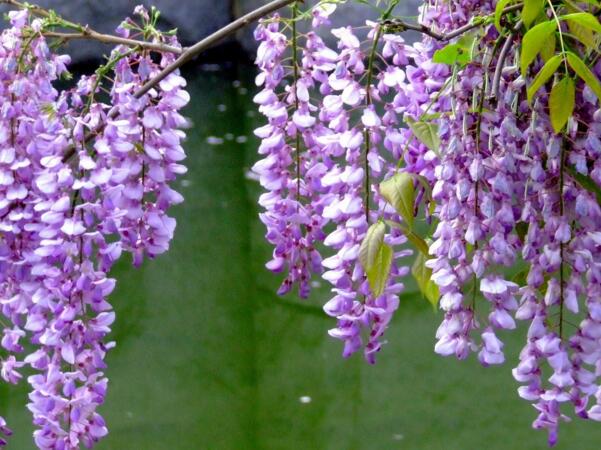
(37, 10)
(85, 32)
(92, 35)
(209, 41)
(400, 25)
(192, 52)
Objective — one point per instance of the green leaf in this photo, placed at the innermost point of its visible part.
(585, 19)
(586, 182)
(373, 240)
(585, 73)
(545, 73)
(584, 35)
(534, 41)
(425, 184)
(426, 133)
(521, 229)
(376, 257)
(377, 275)
(561, 102)
(418, 242)
(531, 10)
(423, 276)
(452, 54)
(501, 4)
(458, 53)
(548, 49)
(521, 278)
(400, 193)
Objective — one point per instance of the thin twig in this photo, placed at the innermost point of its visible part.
(85, 32)
(92, 35)
(37, 10)
(401, 25)
(561, 244)
(496, 83)
(193, 51)
(296, 75)
(209, 41)
(368, 100)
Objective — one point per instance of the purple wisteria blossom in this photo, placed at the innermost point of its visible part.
(66, 221)
(516, 222)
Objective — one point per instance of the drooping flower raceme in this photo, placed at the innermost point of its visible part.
(65, 220)
(337, 159)
(448, 129)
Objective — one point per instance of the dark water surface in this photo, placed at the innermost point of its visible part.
(208, 357)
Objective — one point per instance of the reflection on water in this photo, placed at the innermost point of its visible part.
(209, 358)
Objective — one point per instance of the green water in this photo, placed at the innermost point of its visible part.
(209, 358)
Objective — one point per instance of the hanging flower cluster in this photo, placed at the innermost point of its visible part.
(487, 131)
(320, 167)
(84, 178)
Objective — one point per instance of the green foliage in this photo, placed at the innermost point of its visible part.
(585, 19)
(374, 238)
(545, 73)
(376, 258)
(586, 182)
(541, 40)
(548, 48)
(531, 10)
(582, 33)
(561, 103)
(418, 242)
(426, 133)
(501, 5)
(377, 275)
(399, 191)
(534, 41)
(584, 72)
(459, 53)
(423, 277)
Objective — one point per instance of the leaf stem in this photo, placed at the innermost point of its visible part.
(402, 25)
(561, 244)
(561, 42)
(368, 102)
(368, 99)
(92, 35)
(296, 102)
